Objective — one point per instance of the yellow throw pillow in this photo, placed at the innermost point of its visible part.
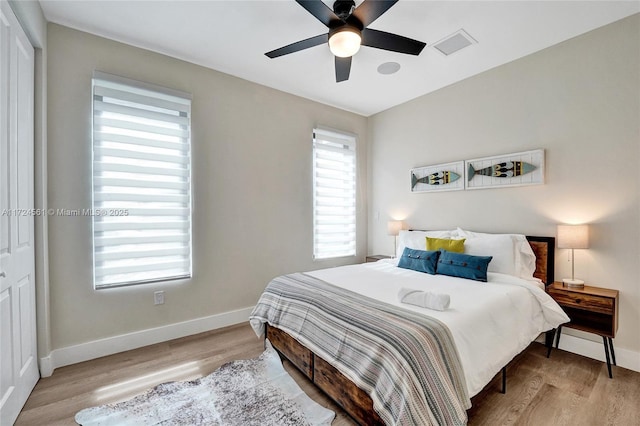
(456, 246)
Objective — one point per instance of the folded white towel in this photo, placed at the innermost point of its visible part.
(436, 301)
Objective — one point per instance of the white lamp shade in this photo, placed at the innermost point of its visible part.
(573, 236)
(394, 227)
(345, 42)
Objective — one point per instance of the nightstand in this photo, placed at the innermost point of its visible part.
(376, 257)
(591, 309)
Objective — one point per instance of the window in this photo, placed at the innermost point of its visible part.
(141, 182)
(334, 194)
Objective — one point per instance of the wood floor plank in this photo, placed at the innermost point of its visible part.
(570, 372)
(613, 401)
(551, 406)
(490, 407)
(563, 390)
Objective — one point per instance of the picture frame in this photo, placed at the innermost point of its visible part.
(438, 177)
(508, 170)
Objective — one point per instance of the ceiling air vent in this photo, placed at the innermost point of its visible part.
(454, 42)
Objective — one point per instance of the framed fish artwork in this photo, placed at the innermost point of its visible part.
(518, 169)
(440, 177)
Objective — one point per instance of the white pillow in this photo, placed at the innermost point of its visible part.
(501, 247)
(524, 260)
(418, 239)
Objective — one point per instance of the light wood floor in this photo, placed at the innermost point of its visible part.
(565, 389)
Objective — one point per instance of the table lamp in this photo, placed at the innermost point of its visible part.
(393, 229)
(573, 237)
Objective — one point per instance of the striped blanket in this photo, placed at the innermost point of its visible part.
(406, 362)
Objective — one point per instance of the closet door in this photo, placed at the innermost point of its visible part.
(18, 356)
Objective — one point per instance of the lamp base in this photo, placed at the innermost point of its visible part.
(573, 283)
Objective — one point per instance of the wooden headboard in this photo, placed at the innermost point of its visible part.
(544, 249)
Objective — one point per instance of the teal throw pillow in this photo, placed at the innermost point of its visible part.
(419, 260)
(463, 265)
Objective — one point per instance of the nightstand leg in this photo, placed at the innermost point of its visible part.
(558, 333)
(613, 354)
(606, 353)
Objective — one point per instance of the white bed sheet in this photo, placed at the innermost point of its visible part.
(490, 322)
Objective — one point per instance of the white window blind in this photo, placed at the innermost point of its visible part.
(334, 194)
(141, 182)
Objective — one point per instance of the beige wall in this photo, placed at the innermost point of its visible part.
(251, 189)
(580, 101)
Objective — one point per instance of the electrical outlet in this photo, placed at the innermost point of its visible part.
(158, 298)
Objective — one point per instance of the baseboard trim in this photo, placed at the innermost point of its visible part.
(111, 345)
(45, 366)
(98, 348)
(595, 350)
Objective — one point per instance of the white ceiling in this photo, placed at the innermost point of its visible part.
(232, 37)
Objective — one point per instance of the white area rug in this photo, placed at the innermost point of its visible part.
(247, 392)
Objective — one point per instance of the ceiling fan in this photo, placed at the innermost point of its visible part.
(348, 30)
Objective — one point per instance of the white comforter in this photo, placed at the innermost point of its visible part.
(491, 322)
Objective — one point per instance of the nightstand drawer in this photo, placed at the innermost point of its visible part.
(376, 257)
(584, 301)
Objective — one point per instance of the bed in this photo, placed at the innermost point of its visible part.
(386, 362)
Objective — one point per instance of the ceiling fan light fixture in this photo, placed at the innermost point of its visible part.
(348, 30)
(345, 41)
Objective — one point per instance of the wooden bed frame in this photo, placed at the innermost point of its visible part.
(343, 391)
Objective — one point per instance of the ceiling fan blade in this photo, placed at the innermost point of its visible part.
(370, 10)
(343, 68)
(393, 42)
(320, 10)
(299, 45)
